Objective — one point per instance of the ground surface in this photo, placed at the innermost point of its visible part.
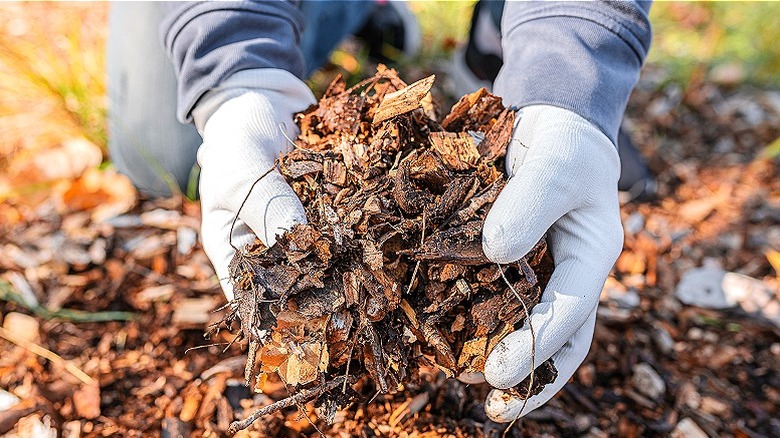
(656, 365)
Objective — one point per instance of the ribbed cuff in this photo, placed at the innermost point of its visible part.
(297, 95)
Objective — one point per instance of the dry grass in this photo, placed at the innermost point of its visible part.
(52, 91)
(52, 84)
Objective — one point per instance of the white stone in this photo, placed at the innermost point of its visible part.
(7, 400)
(634, 223)
(22, 326)
(663, 340)
(687, 428)
(714, 288)
(647, 381)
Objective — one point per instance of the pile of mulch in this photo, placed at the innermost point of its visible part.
(657, 366)
(388, 275)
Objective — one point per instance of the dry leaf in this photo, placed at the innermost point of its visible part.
(774, 259)
(105, 193)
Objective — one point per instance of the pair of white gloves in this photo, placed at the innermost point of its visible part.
(563, 177)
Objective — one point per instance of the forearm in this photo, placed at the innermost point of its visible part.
(209, 42)
(580, 56)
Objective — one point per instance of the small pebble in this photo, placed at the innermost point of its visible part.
(695, 333)
(647, 381)
(582, 423)
(663, 340)
(22, 326)
(688, 396)
(714, 406)
(687, 428)
(634, 223)
(7, 400)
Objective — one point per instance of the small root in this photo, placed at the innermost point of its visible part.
(533, 346)
(303, 396)
(246, 198)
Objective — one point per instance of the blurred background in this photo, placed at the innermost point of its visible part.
(687, 342)
(53, 82)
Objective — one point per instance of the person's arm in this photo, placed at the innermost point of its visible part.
(239, 69)
(210, 41)
(570, 67)
(581, 56)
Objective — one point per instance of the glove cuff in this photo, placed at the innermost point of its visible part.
(285, 91)
(534, 117)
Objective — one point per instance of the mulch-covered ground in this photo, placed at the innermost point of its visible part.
(657, 366)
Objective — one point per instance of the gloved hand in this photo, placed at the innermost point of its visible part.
(241, 124)
(563, 177)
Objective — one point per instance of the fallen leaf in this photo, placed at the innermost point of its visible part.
(105, 193)
(774, 259)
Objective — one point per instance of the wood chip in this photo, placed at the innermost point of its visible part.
(404, 100)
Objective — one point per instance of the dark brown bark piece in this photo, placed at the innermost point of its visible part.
(461, 245)
(498, 137)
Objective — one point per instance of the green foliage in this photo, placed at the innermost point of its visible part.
(700, 37)
(52, 65)
(442, 24)
(7, 293)
(773, 149)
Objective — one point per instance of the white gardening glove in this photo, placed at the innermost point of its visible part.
(241, 123)
(563, 177)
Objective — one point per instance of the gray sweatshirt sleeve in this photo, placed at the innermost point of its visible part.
(581, 56)
(208, 42)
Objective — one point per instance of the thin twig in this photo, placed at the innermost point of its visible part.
(283, 128)
(417, 266)
(511, 424)
(305, 413)
(205, 346)
(533, 345)
(246, 198)
(47, 354)
(349, 360)
(232, 341)
(414, 276)
(301, 397)
(374, 397)
(364, 82)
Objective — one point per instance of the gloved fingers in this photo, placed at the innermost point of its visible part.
(502, 407)
(215, 234)
(247, 127)
(526, 208)
(584, 247)
(271, 208)
(558, 162)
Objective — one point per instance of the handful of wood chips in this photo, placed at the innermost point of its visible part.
(388, 276)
